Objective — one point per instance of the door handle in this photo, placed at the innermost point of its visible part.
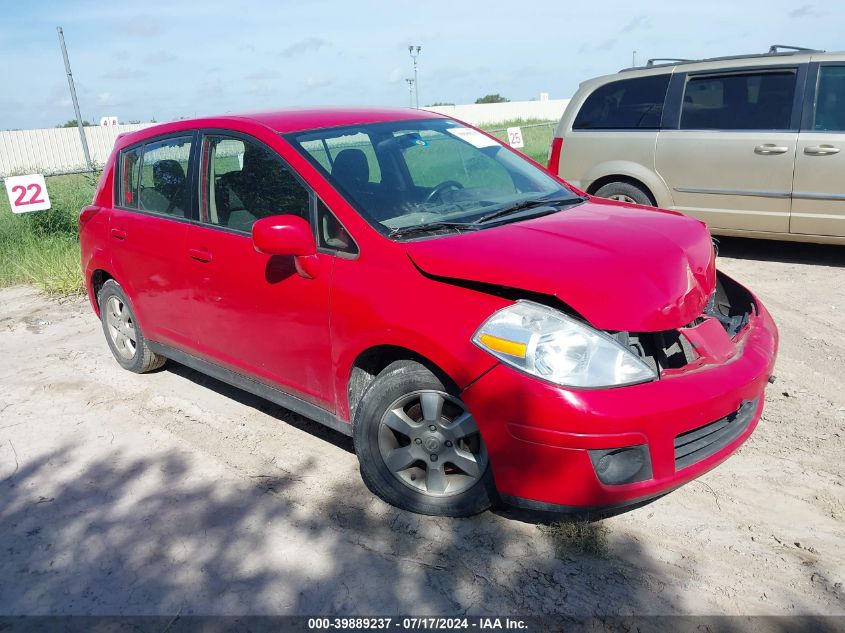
(770, 148)
(821, 150)
(199, 254)
(118, 234)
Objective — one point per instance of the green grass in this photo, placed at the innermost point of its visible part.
(42, 248)
(537, 138)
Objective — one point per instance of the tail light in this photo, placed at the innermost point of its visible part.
(554, 155)
(87, 214)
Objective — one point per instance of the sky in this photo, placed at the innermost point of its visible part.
(169, 59)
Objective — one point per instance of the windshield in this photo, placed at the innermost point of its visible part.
(405, 174)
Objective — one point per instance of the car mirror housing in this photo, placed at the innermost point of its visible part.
(287, 235)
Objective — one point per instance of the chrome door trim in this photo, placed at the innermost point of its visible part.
(737, 192)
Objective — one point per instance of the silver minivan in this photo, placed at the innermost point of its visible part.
(751, 145)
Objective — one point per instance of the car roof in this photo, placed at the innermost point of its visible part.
(298, 119)
(284, 121)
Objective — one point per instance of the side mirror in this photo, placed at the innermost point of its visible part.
(288, 235)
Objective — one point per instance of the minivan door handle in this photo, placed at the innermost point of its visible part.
(199, 254)
(770, 148)
(118, 234)
(821, 150)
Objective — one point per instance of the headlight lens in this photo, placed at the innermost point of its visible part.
(550, 345)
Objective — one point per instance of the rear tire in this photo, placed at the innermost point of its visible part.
(626, 192)
(418, 447)
(123, 334)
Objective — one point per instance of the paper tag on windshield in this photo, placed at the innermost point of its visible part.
(473, 137)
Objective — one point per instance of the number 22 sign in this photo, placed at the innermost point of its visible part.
(27, 193)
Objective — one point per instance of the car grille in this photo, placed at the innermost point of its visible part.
(695, 445)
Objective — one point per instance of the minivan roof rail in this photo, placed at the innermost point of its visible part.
(665, 60)
(774, 49)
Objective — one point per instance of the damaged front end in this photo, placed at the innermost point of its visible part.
(712, 337)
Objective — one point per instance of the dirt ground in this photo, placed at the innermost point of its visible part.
(171, 492)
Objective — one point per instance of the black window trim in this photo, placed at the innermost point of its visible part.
(808, 120)
(657, 128)
(191, 133)
(678, 86)
(328, 250)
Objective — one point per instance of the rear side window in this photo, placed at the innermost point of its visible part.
(164, 177)
(752, 101)
(130, 165)
(244, 181)
(830, 99)
(626, 104)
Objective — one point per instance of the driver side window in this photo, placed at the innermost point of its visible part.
(244, 182)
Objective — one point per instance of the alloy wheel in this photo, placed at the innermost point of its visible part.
(430, 442)
(121, 327)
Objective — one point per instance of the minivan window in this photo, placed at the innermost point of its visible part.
(626, 104)
(164, 184)
(739, 101)
(130, 164)
(245, 181)
(830, 99)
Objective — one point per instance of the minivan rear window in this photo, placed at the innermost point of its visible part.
(627, 104)
(748, 101)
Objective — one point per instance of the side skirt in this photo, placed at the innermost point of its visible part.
(273, 394)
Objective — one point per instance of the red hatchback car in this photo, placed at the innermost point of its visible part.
(484, 331)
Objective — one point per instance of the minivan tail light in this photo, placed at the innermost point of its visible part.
(554, 155)
(87, 214)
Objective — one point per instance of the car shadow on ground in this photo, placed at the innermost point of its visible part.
(781, 251)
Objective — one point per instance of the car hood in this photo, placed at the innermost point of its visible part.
(621, 267)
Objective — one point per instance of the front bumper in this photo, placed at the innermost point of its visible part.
(539, 436)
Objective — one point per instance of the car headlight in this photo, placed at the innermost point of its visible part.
(553, 346)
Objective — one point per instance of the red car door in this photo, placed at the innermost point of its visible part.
(147, 231)
(251, 312)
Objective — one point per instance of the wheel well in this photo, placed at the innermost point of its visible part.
(370, 363)
(606, 180)
(98, 279)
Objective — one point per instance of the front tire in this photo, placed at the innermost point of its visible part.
(418, 446)
(123, 335)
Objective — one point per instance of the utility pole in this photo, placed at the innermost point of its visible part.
(410, 82)
(634, 59)
(414, 52)
(74, 99)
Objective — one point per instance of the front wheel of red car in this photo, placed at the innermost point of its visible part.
(419, 447)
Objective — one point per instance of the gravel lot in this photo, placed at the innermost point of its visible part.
(125, 494)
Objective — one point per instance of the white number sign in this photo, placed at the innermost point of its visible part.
(515, 138)
(108, 120)
(27, 193)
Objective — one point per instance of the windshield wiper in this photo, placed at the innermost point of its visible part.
(528, 204)
(427, 227)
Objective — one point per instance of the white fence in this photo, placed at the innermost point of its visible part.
(491, 113)
(56, 150)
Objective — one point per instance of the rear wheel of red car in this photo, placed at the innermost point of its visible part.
(125, 339)
(419, 447)
(626, 192)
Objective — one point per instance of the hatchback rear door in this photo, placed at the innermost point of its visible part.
(818, 198)
(729, 154)
(147, 231)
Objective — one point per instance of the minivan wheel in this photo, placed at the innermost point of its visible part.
(123, 335)
(626, 192)
(418, 446)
